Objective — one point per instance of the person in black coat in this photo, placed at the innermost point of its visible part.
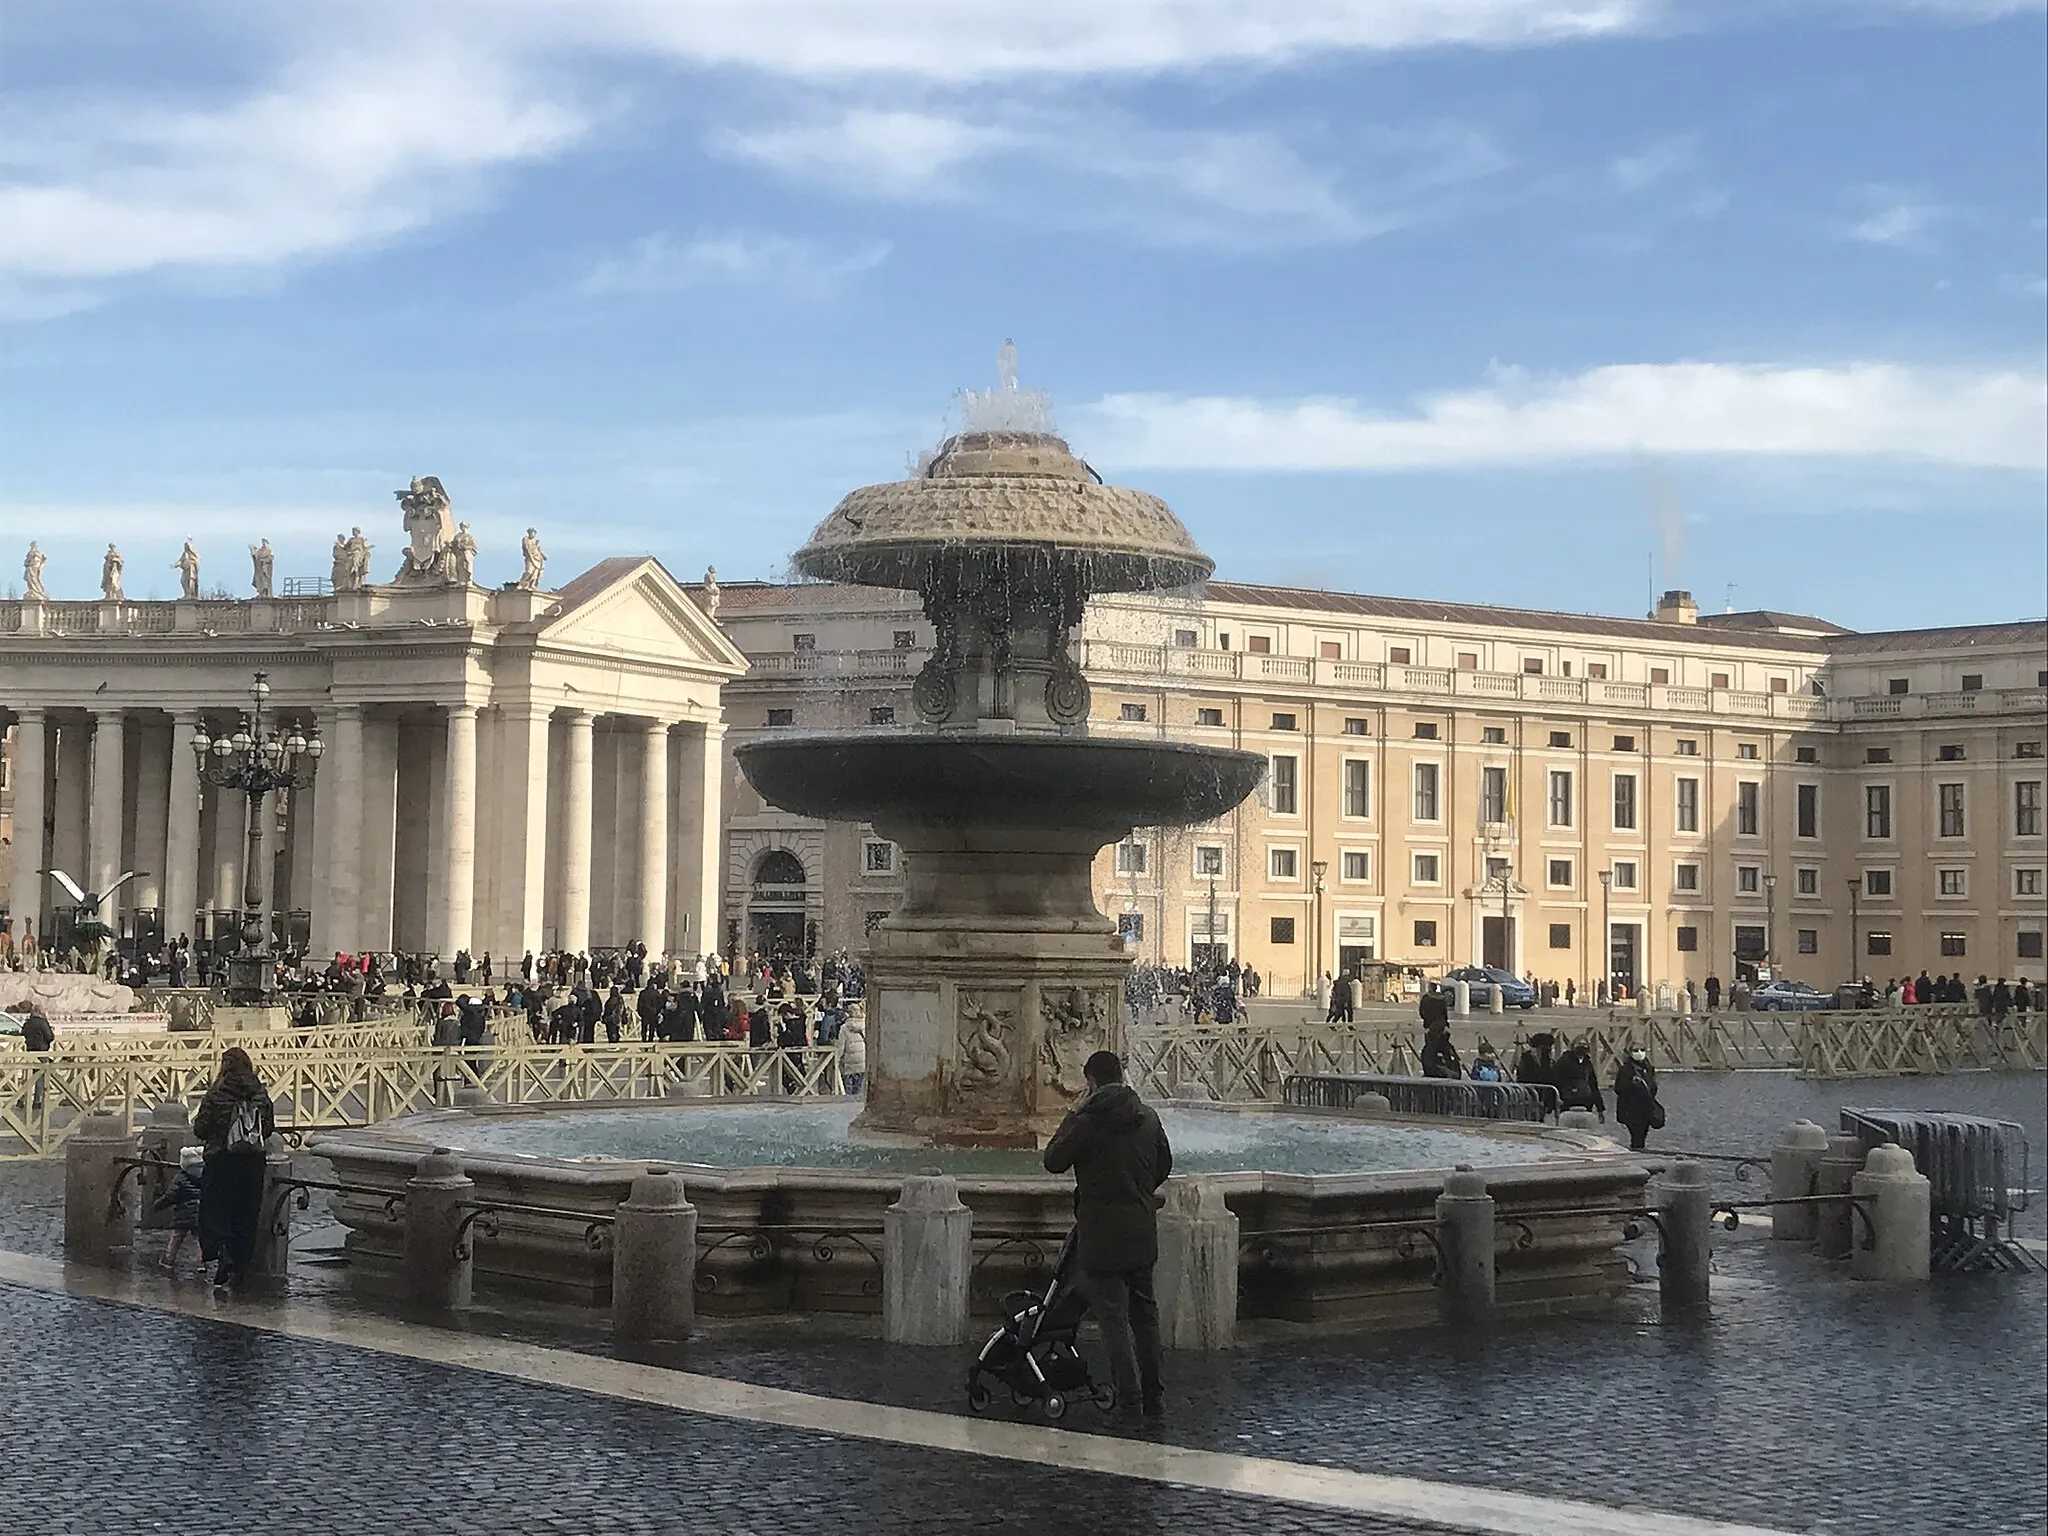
(1439, 1056)
(614, 1015)
(1635, 1096)
(649, 1007)
(234, 1122)
(1536, 1065)
(1578, 1083)
(680, 1016)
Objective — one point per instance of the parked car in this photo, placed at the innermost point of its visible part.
(1482, 979)
(10, 1024)
(1788, 997)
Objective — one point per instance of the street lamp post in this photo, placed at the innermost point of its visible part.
(1606, 935)
(1855, 895)
(1771, 925)
(255, 759)
(1318, 868)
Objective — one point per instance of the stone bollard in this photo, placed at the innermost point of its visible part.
(471, 1098)
(1897, 1197)
(1373, 1104)
(1461, 998)
(436, 1274)
(273, 1255)
(1464, 1234)
(1687, 1209)
(1832, 1229)
(1795, 1166)
(927, 1254)
(1497, 999)
(1197, 1274)
(168, 1133)
(98, 1227)
(654, 1261)
(1578, 1120)
(1642, 1001)
(1684, 1004)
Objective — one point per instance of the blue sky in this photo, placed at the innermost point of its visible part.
(1528, 301)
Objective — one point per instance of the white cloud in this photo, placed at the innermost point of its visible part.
(895, 153)
(1655, 164)
(660, 264)
(1902, 224)
(1983, 418)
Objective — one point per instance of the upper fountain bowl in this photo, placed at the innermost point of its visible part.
(1012, 493)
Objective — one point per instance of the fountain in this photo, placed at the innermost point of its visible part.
(997, 977)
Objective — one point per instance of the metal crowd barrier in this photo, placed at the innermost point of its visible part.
(1453, 1096)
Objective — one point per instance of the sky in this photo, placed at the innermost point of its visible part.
(1548, 303)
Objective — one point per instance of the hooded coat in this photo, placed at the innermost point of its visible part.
(1118, 1150)
(216, 1115)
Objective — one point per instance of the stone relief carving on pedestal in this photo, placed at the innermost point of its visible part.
(110, 575)
(32, 565)
(1076, 1027)
(429, 525)
(986, 1031)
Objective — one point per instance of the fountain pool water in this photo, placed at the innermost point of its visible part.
(815, 1136)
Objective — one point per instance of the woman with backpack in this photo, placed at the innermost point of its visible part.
(234, 1124)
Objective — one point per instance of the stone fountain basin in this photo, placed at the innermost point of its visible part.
(777, 1239)
(1067, 782)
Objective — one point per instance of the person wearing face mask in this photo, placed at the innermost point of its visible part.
(1635, 1096)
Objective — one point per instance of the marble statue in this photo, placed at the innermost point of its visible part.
(187, 567)
(535, 559)
(110, 575)
(355, 562)
(707, 594)
(32, 572)
(429, 524)
(461, 562)
(262, 558)
(338, 578)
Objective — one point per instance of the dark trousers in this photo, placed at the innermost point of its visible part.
(230, 1207)
(1128, 1315)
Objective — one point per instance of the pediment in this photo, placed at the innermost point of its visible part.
(643, 613)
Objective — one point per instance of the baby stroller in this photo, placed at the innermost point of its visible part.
(1034, 1353)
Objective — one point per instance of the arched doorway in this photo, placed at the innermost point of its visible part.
(777, 901)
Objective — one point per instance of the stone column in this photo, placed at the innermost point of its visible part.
(1687, 1207)
(98, 1229)
(181, 835)
(1795, 1166)
(927, 1255)
(339, 788)
(109, 763)
(69, 800)
(378, 835)
(523, 819)
(1464, 1234)
(699, 838)
(1835, 1223)
(652, 919)
(1898, 1197)
(163, 1140)
(575, 876)
(654, 1261)
(457, 853)
(1197, 1272)
(437, 1274)
(31, 802)
(154, 769)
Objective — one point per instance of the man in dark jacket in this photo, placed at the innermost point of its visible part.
(1119, 1154)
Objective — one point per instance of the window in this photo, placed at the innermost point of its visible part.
(1283, 863)
(1806, 810)
(881, 714)
(1877, 942)
(1261, 645)
(1355, 726)
(1973, 682)
(1330, 650)
(2030, 943)
(1748, 799)
(1208, 717)
(1285, 800)
(1131, 712)
(1427, 869)
(1950, 799)
(1877, 882)
(1624, 802)
(1130, 927)
(1748, 879)
(2026, 882)
(1468, 661)
(1717, 679)
(1283, 723)
(1493, 796)
(1686, 877)
(1807, 754)
(1685, 746)
(2026, 749)
(782, 717)
(1496, 869)
(1560, 799)
(1877, 811)
(1749, 943)
(1356, 865)
(1951, 752)
(904, 640)
(1425, 933)
(1533, 665)
(1357, 787)
(1688, 940)
(1283, 930)
(877, 857)
(2026, 808)
(1688, 805)
(1493, 735)
(1806, 881)
(1809, 941)
(1560, 935)
(1625, 875)
(803, 642)
(1425, 730)
(1208, 860)
(1895, 685)
(1660, 674)
(1596, 669)
(1746, 750)
(1561, 873)
(1877, 754)
(1953, 882)
(1560, 738)
(1131, 857)
(1953, 945)
(1185, 638)
(1426, 778)
(1400, 655)
(1624, 743)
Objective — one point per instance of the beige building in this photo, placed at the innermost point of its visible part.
(1449, 784)
(505, 769)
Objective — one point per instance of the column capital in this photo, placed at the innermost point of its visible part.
(26, 714)
(656, 727)
(465, 708)
(578, 719)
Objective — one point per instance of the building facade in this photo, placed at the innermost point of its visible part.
(1661, 799)
(504, 770)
